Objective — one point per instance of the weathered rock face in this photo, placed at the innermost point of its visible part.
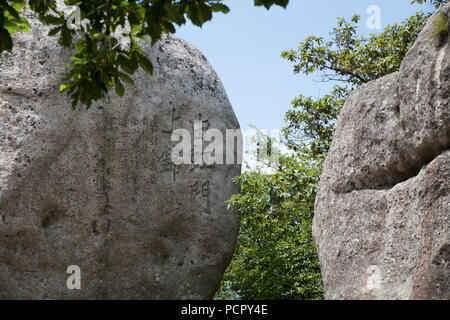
(98, 189)
(382, 216)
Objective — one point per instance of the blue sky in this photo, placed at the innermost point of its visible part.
(244, 47)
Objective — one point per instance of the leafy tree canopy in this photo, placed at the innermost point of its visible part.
(275, 257)
(100, 63)
(350, 60)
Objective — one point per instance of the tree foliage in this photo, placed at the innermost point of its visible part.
(355, 60)
(275, 255)
(437, 3)
(350, 60)
(310, 122)
(100, 62)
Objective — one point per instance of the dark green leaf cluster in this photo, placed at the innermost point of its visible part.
(356, 60)
(101, 61)
(269, 3)
(10, 22)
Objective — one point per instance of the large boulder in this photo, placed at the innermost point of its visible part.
(382, 214)
(98, 189)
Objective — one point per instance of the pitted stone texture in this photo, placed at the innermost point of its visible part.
(98, 189)
(382, 215)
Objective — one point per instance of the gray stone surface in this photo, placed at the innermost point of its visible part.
(382, 215)
(98, 189)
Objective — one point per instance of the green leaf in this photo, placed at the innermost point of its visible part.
(205, 13)
(119, 87)
(63, 87)
(19, 5)
(65, 38)
(145, 63)
(129, 65)
(52, 20)
(269, 3)
(6, 43)
(126, 78)
(219, 7)
(193, 13)
(54, 31)
(75, 97)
